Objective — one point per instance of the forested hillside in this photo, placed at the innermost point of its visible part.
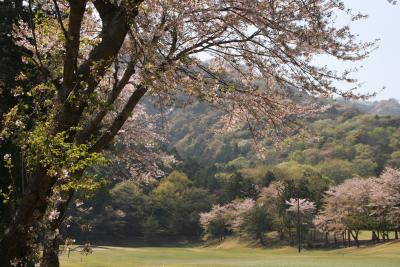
(213, 168)
(344, 136)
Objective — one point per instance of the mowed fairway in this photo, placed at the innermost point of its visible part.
(385, 255)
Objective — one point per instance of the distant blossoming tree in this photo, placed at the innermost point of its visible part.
(359, 204)
(385, 198)
(216, 222)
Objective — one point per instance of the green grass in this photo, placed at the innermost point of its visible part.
(231, 253)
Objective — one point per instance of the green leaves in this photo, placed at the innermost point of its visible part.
(6, 196)
(61, 158)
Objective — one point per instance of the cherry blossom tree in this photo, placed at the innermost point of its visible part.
(93, 52)
(244, 217)
(216, 222)
(359, 204)
(385, 198)
(272, 198)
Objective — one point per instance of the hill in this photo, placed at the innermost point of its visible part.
(389, 107)
(346, 132)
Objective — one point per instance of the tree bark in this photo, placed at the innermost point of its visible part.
(314, 235)
(373, 236)
(50, 251)
(348, 238)
(344, 239)
(355, 237)
(52, 240)
(30, 212)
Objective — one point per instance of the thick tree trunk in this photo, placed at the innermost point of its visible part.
(52, 240)
(50, 251)
(30, 212)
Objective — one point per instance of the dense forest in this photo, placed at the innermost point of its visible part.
(350, 139)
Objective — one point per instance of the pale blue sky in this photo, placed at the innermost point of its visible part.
(383, 66)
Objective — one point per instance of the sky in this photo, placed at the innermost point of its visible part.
(382, 68)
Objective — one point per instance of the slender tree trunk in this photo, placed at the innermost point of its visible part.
(281, 235)
(378, 238)
(326, 238)
(314, 234)
(348, 238)
(291, 237)
(261, 238)
(298, 225)
(396, 234)
(373, 236)
(335, 239)
(344, 239)
(355, 237)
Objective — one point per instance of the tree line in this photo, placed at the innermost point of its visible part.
(346, 209)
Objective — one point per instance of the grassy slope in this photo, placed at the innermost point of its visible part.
(231, 253)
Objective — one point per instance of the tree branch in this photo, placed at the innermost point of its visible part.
(77, 11)
(92, 125)
(119, 121)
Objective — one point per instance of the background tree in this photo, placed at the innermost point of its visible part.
(251, 220)
(348, 208)
(177, 205)
(217, 221)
